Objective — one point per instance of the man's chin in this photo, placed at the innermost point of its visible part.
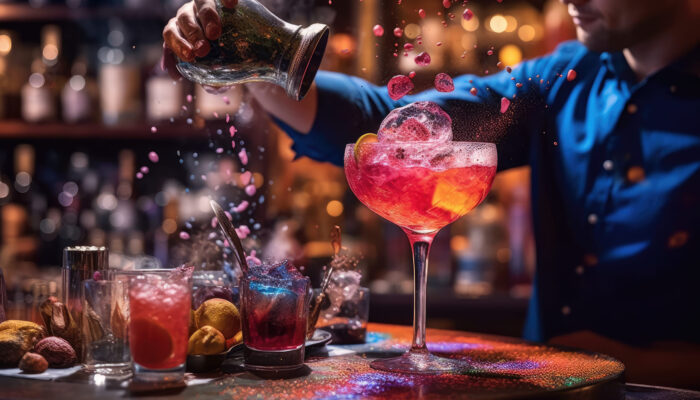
(594, 41)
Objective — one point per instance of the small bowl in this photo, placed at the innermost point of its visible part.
(210, 362)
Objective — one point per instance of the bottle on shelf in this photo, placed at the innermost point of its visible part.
(38, 103)
(78, 94)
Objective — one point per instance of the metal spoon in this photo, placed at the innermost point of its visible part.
(230, 233)
(316, 307)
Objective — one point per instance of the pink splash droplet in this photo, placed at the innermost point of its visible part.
(215, 114)
(412, 74)
(444, 83)
(233, 144)
(571, 75)
(154, 129)
(139, 175)
(189, 98)
(378, 30)
(153, 156)
(399, 86)
(398, 32)
(446, 3)
(214, 221)
(422, 59)
(473, 91)
(228, 118)
(467, 14)
(242, 231)
(421, 13)
(232, 130)
(184, 235)
(490, 52)
(250, 190)
(226, 100)
(219, 150)
(509, 69)
(408, 46)
(246, 177)
(228, 215)
(241, 207)
(505, 103)
(144, 170)
(243, 156)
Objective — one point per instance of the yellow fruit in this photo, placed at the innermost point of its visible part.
(366, 138)
(220, 314)
(206, 340)
(238, 338)
(192, 326)
(16, 338)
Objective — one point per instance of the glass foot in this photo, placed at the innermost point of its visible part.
(422, 362)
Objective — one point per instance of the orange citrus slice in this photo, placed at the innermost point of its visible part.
(151, 344)
(366, 138)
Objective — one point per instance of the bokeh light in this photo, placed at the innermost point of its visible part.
(471, 25)
(498, 23)
(334, 208)
(526, 33)
(510, 54)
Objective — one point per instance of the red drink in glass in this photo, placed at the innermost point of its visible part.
(274, 308)
(158, 330)
(422, 185)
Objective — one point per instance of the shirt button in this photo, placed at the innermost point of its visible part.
(608, 165)
(579, 269)
(566, 310)
(631, 108)
(592, 219)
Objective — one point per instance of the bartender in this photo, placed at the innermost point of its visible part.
(609, 126)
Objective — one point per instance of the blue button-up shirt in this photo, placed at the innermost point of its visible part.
(615, 181)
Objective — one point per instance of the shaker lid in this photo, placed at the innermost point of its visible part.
(86, 257)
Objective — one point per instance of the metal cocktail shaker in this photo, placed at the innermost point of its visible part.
(80, 263)
(255, 45)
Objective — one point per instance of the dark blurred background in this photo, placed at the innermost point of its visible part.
(83, 102)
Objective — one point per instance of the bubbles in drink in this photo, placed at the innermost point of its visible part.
(443, 83)
(422, 59)
(420, 121)
(378, 30)
(399, 86)
(467, 14)
(505, 103)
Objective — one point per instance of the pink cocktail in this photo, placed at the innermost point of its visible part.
(158, 329)
(418, 178)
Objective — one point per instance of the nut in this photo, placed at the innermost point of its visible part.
(58, 352)
(33, 363)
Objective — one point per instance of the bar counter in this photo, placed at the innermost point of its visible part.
(504, 367)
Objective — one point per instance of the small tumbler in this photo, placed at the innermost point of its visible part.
(105, 328)
(344, 315)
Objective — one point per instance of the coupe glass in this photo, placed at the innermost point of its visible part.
(421, 187)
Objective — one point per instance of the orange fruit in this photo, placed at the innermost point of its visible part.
(220, 314)
(238, 338)
(364, 139)
(206, 340)
(151, 344)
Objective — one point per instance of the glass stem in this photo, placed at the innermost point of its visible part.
(420, 245)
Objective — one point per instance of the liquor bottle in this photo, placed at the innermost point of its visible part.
(255, 45)
(37, 100)
(76, 96)
(163, 96)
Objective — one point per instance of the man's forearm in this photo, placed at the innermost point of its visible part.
(300, 115)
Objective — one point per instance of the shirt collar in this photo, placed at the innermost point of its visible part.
(686, 67)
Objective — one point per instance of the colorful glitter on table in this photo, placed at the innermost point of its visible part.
(503, 368)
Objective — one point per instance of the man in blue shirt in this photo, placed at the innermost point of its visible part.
(615, 157)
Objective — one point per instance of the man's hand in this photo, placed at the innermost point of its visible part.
(187, 35)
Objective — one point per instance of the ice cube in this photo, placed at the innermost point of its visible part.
(422, 121)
